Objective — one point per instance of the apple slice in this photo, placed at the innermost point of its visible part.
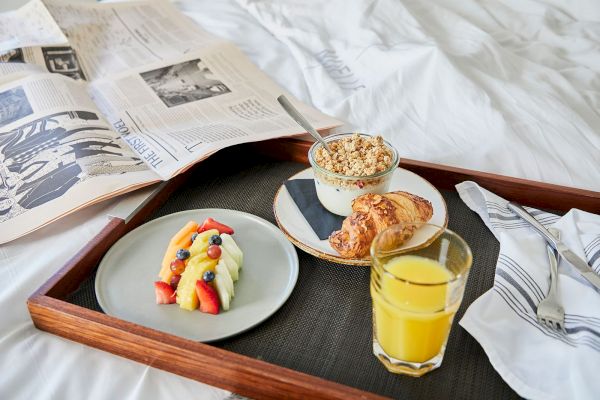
(232, 248)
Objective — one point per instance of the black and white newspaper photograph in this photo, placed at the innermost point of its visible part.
(184, 83)
(63, 60)
(14, 105)
(13, 56)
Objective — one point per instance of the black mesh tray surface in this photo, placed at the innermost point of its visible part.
(324, 329)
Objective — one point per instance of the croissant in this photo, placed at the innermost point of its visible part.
(372, 213)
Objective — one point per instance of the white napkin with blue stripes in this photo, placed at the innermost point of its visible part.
(536, 361)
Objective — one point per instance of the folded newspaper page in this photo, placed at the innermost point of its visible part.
(97, 100)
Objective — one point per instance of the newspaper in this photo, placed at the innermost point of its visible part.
(137, 94)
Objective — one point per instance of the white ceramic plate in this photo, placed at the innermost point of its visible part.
(298, 231)
(126, 276)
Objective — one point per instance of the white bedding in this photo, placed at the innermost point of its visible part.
(511, 87)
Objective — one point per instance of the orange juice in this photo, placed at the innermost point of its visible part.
(412, 319)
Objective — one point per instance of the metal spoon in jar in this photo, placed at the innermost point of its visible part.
(295, 114)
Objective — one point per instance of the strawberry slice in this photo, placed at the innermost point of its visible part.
(209, 299)
(210, 223)
(164, 293)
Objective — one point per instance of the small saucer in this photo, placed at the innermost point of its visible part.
(295, 227)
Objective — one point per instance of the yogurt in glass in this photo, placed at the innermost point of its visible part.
(337, 190)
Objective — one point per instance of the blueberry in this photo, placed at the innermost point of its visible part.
(183, 254)
(208, 276)
(194, 235)
(215, 239)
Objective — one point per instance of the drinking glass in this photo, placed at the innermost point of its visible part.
(416, 294)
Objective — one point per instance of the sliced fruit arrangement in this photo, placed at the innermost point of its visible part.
(199, 268)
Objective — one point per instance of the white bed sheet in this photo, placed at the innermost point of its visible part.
(514, 89)
(510, 87)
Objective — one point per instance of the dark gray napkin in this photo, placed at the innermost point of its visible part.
(304, 194)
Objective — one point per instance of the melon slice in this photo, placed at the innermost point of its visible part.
(221, 269)
(230, 263)
(232, 249)
(221, 285)
(181, 240)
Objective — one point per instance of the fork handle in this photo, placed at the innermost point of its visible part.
(524, 214)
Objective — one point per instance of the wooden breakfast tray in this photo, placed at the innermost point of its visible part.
(235, 365)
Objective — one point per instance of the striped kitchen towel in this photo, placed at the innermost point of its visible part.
(537, 362)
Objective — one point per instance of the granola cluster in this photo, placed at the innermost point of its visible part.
(355, 155)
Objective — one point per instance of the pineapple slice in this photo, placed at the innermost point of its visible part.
(186, 289)
(200, 245)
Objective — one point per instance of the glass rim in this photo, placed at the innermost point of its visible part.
(335, 136)
(427, 243)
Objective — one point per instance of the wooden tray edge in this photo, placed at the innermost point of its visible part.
(202, 362)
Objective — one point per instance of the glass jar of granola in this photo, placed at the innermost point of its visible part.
(359, 164)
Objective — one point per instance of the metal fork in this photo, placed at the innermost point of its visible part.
(549, 311)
